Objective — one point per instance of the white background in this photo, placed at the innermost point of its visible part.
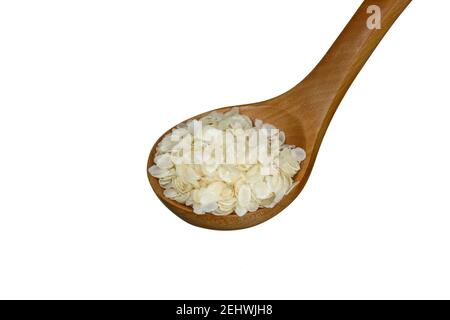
(86, 87)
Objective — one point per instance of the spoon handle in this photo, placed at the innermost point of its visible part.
(320, 93)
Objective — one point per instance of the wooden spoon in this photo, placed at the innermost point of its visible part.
(305, 111)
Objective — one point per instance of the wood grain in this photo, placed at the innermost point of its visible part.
(304, 112)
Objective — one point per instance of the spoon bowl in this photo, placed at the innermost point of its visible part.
(269, 113)
(305, 111)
